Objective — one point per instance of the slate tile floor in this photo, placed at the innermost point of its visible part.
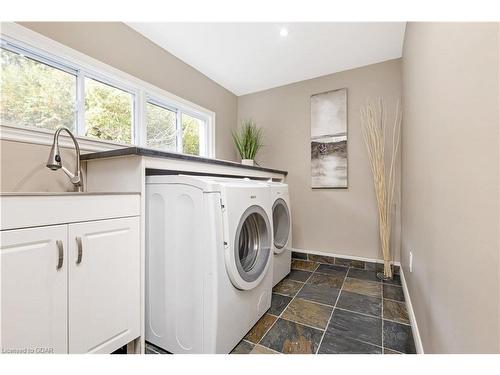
(332, 305)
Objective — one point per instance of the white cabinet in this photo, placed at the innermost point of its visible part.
(104, 285)
(34, 290)
(74, 287)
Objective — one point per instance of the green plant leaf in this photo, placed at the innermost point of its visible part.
(248, 139)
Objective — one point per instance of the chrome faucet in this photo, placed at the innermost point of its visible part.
(55, 162)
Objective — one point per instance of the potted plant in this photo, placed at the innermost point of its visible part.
(248, 141)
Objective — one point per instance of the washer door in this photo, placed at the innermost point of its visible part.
(281, 225)
(249, 257)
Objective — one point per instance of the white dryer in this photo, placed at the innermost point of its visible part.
(208, 261)
(282, 230)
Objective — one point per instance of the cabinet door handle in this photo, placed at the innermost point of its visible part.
(79, 246)
(60, 250)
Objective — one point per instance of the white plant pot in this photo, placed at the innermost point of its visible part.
(247, 162)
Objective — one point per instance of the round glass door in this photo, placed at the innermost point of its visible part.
(281, 224)
(253, 242)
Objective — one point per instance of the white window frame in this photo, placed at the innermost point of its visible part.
(115, 84)
(161, 104)
(179, 111)
(62, 57)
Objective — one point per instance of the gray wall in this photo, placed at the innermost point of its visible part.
(118, 45)
(335, 221)
(450, 164)
(22, 168)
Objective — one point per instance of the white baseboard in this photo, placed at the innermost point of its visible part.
(341, 256)
(413, 321)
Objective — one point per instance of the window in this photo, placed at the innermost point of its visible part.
(192, 131)
(161, 129)
(171, 129)
(35, 94)
(39, 90)
(108, 112)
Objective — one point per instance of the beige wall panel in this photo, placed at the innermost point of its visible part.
(450, 217)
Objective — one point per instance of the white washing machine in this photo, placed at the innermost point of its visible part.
(282, 230)
(208, 261)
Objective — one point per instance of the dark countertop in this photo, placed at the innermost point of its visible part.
(140, 151)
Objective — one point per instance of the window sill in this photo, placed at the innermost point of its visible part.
(46, 137)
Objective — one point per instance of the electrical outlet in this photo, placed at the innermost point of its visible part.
(411, 262)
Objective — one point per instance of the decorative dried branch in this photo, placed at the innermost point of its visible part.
(373, 127)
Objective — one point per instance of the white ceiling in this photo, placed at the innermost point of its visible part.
(250, 57)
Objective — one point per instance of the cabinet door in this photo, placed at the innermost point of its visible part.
(33, 265)
(104, 284)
